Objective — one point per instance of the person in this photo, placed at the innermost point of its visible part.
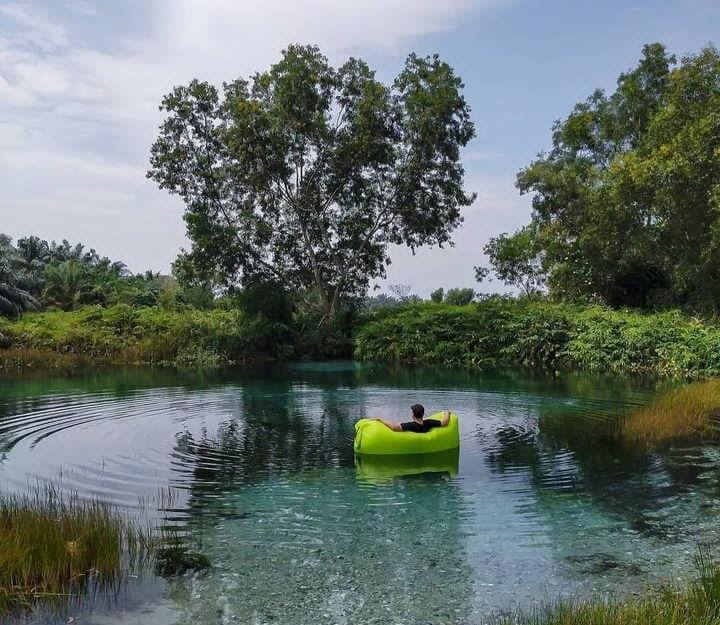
(418, 424)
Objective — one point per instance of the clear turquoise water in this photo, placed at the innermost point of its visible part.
(261, 466)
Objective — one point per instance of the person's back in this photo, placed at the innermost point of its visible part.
(418, 424)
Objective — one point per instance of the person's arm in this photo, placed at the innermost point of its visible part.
(445, 419)
(395, 427)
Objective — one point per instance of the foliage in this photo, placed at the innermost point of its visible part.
(14, 298)
(625, 205)
(305, 174)
(127, 335)
(267, 299)
(313, 339)
(686, 413)
(69, 276)
(516, 260)
(53, 545)
(459, 297)
(501, 331)
(437, 295)
(174, 559)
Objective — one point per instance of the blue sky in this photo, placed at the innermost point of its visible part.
(80, 82)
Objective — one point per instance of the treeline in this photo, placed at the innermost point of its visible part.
(626, 204)
(36, 274)
(626, 214)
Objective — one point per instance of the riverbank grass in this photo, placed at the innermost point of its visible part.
(501, 332)
(699, 604)
(54, 546)
(687, 413)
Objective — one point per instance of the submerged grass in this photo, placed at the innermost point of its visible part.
(686, 413)
(54, 545)
(699, 604)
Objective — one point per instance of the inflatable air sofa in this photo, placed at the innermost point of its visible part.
(374, 438)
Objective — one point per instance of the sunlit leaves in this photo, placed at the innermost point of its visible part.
(304, 174)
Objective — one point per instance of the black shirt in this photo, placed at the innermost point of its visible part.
(427, 425)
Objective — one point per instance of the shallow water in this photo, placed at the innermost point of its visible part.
(262, 476)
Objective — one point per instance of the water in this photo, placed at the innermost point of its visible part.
(539, 506)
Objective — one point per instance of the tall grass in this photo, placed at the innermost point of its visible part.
(689, 412)
(55, 545)
(699, 604)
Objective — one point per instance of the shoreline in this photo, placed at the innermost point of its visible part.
(495, 333)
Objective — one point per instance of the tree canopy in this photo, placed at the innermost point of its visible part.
(626, 204)
(516, 260)
(36, 273)
(304, 174)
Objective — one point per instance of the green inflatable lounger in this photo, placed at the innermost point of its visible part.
(375, 438)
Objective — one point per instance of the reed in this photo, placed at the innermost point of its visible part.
(54, 545)
(685, 413)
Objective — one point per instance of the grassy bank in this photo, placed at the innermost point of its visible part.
(53, 547)
(497, 332)
(699, 604)
(503, 332)
(125, 335)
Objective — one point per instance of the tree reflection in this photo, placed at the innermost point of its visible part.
(580, 452)
(290, 531)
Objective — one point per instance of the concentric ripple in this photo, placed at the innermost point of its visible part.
(257, 468)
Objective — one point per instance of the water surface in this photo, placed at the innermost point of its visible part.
(540, 505)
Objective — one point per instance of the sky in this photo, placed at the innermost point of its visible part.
(81, 81)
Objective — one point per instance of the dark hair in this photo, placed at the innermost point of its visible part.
(418, 410)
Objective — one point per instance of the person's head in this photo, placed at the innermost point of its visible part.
(417, 411)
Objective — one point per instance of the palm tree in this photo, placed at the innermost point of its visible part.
(14, 300)
(66, 284)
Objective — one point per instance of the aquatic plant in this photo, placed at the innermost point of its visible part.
(699, 604)
(175, 558)
(689, 412)
(54, 545)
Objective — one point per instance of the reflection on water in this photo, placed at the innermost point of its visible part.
(542, 503)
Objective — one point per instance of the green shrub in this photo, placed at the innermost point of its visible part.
(536, 333)
(126, 335)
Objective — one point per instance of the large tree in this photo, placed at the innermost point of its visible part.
(303, 175)
(626, 204)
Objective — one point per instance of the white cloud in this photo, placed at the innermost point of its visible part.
(36, 28)
(76, 120)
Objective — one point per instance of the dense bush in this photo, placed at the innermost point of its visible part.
(123, 334)
(505, 332)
